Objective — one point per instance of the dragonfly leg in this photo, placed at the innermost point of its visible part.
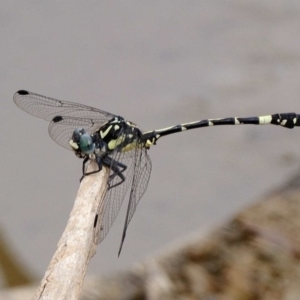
(83, 167)
(118, 164)
(117, 168)
(86, 159)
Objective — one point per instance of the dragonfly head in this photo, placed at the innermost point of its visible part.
(82, 142)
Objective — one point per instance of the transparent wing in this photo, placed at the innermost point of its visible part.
(139, 186)
(109, 208)
(136, 160)
(47, 108)
(61, 128)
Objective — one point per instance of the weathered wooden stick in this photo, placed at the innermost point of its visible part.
(66, 271)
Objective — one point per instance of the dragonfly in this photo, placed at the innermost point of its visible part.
(118, 144)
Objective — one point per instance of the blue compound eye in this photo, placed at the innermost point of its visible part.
(86, 144)
(77, 133)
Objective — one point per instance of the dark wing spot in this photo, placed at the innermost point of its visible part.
(57, 119)
(22, 92)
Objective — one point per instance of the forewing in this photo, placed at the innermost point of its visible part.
(47, 108)
(140, 181)
(61, 128)
(109, 208)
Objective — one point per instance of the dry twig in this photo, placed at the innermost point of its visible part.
(64, 276)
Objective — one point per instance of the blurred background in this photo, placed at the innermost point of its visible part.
(156, 63)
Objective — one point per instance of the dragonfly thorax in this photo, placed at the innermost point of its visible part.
(116, 134)
(119, 134)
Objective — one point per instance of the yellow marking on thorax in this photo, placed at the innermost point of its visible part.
(103, 134)
(130, 146)
(114, 143)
